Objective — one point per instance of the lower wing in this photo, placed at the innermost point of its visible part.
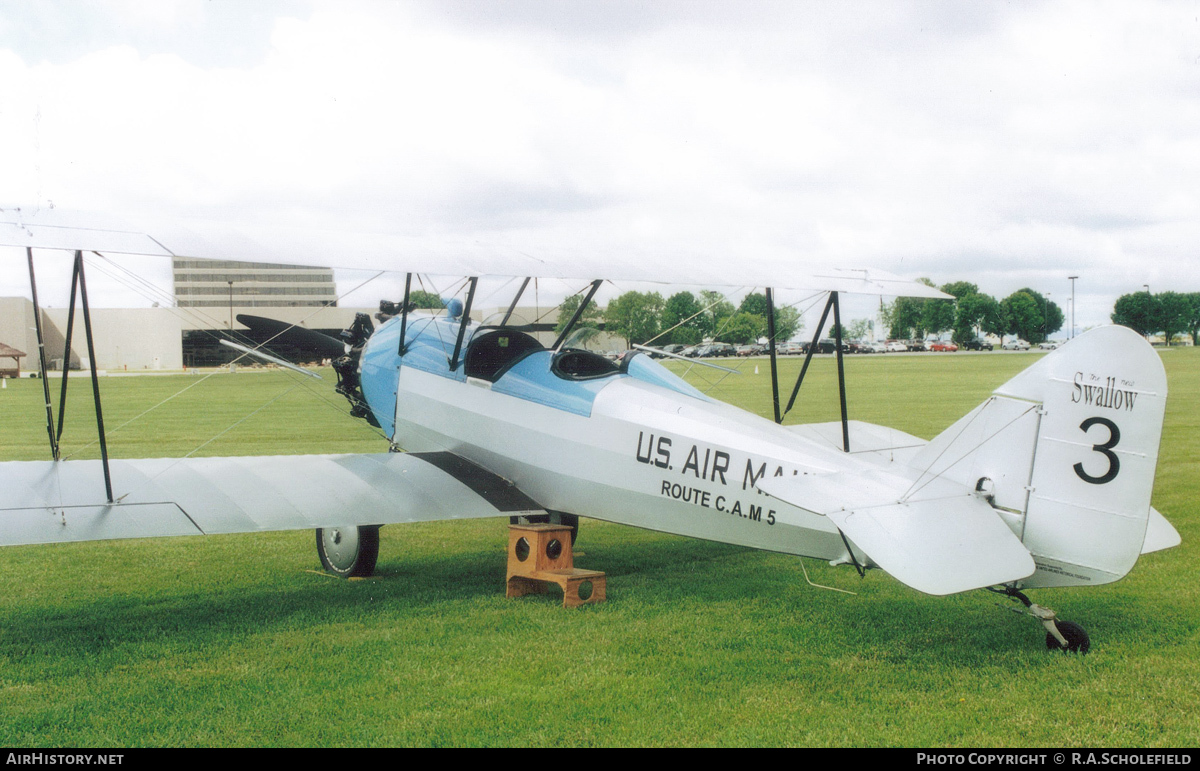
(58, 501)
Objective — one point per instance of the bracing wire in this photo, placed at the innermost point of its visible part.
(195, 315)
(917, 485)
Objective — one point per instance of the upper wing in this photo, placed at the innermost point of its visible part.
(59, 229)
(50, 502)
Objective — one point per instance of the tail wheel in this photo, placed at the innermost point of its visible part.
(348, 551)
(1077, 639)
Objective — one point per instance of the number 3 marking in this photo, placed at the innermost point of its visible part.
(1114, 463)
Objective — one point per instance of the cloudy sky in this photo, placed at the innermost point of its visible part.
(1009, 144)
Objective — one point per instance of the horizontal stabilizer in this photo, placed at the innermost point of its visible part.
(872, 442)
(52, 502)
(937, 545)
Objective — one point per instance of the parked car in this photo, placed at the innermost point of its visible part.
(942, 346)
(1049, 345)
(1016, 345)
(977, 345)
(753, 349)
(916, 345)
(878, 347)
(897, 346)
(790, 348)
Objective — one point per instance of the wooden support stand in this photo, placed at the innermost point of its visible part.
(540, 555)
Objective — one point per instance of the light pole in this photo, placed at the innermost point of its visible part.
(1072, 279)
(1149, 297)
(1046, 318)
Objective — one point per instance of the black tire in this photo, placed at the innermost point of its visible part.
(570, 520)
(1077, 638)
(348, 552)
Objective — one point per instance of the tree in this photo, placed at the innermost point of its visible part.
(419, 298)
(788, 320)
(858, 329)
(756, 303)
(887, 316)
(960, 289)
(716, 310)
(788, 323)
(1031, 316)
(1054, 317)
(908, 319)
(681, 320)
(963, 317)
(908, 316)
(744, 327)
(1174, 314)
(1136, 311)
(634, 316)
(1024, 317)
(1193, 324)
(589, 324)
(977, 313)
(937, 316)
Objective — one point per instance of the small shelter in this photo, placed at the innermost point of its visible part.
(8, 352)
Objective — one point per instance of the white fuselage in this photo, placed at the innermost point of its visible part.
(646, 456)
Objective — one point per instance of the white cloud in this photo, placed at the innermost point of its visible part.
(1010, 145)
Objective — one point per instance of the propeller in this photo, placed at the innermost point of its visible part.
(344, 352)
(280, 333)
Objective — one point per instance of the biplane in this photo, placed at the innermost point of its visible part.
(1047, 483)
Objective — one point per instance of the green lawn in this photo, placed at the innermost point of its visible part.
(240, 641)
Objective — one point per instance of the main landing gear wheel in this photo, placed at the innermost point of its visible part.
(348, 551)
(1077, 639)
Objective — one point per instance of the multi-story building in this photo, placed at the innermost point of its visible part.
(226, 284)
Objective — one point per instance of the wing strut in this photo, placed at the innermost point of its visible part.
(837, 341)
(79, 281)
(404, 311)
(837, 335)
(578, 314)
(513, 305)
(466, 319)
(771, 346)
(37, 319)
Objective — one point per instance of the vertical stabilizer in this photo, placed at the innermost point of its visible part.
(1103, 396)
(1065, 452)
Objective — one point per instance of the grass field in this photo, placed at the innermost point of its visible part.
(240, 641)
